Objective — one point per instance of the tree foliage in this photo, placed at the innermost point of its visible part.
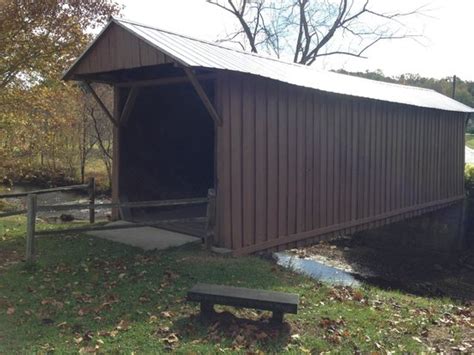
(39, 38)
(464, 88)
(45, 122)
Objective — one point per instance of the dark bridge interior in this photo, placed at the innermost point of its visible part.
(167, 150)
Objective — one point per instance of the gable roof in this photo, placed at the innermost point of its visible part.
(191, 52)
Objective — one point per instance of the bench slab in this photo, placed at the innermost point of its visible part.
(279, 302)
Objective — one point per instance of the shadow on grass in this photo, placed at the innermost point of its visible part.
(408, 269)
(228, 330)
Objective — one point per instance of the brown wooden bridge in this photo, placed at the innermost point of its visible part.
(294, 154)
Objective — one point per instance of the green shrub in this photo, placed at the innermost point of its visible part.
(469, 180)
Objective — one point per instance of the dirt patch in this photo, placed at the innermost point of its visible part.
(454, 332)
(8, 258)
(246, 332)
(443, 339)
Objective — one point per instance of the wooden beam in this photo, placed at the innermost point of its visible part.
(116, 156)
(164, 81)
(202, 94)
(271, 243)
(129, 104)
(46, 191)
(101, 103)
(30, 227)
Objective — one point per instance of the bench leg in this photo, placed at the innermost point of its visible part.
(207, 309)
(277, 317)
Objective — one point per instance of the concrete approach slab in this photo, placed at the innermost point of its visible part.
(147, 238)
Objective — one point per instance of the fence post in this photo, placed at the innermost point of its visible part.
(91, 200)
(30, 226)
(211, 218)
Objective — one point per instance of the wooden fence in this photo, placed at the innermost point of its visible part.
(89, 187)
(32, 209)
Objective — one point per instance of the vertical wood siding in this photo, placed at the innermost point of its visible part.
(119, 49)
(295, 165)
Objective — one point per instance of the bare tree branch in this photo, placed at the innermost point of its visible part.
(314, 28)
(239, 13)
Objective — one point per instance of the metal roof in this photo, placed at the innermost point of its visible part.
(192, 52)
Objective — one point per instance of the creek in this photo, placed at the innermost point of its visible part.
(54, 198)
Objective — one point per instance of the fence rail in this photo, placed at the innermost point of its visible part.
(89, 187)
(33, 209)
(46, 191)
(123, 226)
(82, 206)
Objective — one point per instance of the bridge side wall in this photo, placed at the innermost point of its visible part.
(295, 165)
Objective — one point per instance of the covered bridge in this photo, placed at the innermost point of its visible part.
(294, 154)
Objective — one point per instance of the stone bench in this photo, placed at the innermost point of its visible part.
(277, 302)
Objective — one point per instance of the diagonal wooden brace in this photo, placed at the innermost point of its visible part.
(101, 103)
(202, 94)
(129, 104)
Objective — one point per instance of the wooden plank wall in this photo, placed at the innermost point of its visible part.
(118, 49)
(295, 165)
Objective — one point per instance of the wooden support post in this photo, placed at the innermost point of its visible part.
(207, 309)
(211, 218)
(91, 200)
(30, 227)
(116, 157)
(277, 317)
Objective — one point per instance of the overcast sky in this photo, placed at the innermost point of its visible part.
(447, 47)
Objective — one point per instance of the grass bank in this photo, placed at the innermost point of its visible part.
(90, 295)
(46, 177)
(470, 140)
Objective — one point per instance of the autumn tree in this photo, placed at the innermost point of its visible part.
(311, 29)
(42, 119)
(43, 128)
(39, 39)
(99, 129)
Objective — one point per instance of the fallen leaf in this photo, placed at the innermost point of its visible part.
(10, 311)
(113, 333)
(143, 299)
(166, 314)
(122, 325)
(162, 331)
(82, 312)
(89, 350)
(295, 337)
(171, 339)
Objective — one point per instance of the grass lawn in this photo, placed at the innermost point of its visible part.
(470, 140)
(95, 167)
(90, 295)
